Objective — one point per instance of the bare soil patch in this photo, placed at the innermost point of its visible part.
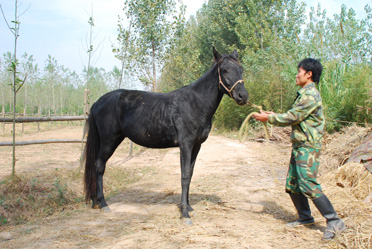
(237, 192)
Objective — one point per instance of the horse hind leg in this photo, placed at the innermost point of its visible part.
(101, 202)
(98, 199)
(104, 154)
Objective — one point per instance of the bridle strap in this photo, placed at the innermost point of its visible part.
(226, 88)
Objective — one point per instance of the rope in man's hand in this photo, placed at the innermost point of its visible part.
(244, 127)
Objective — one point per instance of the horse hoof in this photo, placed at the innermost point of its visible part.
(186, 221)
(106, 209)
(95, 207)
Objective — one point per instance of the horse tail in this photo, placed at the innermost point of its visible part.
(91, 150)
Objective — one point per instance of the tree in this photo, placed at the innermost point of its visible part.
(151, 28)
(91, 51)
(182, 65)
(31, 70)
(52, 80)
(17, 82)
(122, 50)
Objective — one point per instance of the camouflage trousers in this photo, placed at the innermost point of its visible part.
(302, 173)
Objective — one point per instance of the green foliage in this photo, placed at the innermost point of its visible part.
(271, 40)
(182, 66)
(344, 90)
(60, 198)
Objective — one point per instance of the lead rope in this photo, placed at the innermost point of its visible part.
(245, 127)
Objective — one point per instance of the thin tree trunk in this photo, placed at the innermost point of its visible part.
(3, 110)
(153, 68)
(85, 128)
(14, 85)
(23, 124)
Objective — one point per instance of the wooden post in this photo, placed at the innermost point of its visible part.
(86, 114)
(86, 102)
(23, 124)
(3, 110)
(38, 123)
(49, 115)
(130, 149)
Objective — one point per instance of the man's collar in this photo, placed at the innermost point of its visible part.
(308, 86)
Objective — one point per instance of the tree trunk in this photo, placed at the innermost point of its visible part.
(153, 68)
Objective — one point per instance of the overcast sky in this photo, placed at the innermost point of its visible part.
(59, 28)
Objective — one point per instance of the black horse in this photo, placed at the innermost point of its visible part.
(182, 118)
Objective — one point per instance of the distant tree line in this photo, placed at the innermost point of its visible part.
(53, 89)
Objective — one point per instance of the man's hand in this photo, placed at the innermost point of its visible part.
(263, 116)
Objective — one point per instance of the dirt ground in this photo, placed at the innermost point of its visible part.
(237, 192)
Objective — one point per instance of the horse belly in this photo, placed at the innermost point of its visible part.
(154, 139)
(152, 134)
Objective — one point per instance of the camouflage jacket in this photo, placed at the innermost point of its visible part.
(306, 118)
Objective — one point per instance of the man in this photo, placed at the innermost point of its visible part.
(307, 121)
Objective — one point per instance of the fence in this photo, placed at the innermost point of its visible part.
(49, 119)
(42, 119)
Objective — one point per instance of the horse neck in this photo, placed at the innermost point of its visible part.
(207, 88)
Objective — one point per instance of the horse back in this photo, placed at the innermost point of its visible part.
(143, 117)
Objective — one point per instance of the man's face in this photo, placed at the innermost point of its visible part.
(303, 78)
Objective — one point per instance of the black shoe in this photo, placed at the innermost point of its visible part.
(334, 223)
(303, 209)
(299, 222)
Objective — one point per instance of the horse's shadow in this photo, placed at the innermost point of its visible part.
(139, 196)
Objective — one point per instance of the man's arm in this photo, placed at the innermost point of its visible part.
(297, 114)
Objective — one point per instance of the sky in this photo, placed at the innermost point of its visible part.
(59, 28)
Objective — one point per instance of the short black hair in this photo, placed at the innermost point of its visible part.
(312, 65)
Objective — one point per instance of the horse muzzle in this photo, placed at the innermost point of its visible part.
(240, 95)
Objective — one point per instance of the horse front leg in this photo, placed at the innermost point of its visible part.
(186, 175)
(194, 154)
(188, 158)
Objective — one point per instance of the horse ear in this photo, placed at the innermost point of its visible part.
(217, 56)
(235, 54)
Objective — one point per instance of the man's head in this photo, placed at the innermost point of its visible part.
(313, 66)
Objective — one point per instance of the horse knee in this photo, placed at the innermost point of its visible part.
(100, 168)
(185, 180)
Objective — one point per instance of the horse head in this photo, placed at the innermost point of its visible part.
(230, 76)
